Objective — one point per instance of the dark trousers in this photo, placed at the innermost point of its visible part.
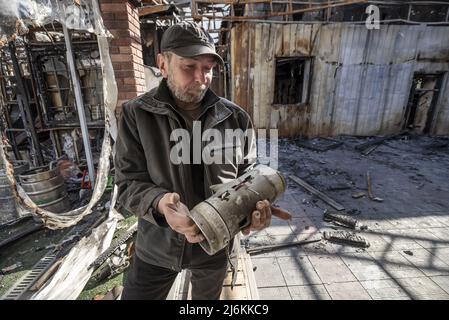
(150, 282)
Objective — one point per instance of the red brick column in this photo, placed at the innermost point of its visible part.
(122, 20)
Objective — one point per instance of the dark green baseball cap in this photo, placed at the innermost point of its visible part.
(188, 40)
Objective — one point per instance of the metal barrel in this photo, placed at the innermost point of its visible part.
(8, 211)
(46, 188)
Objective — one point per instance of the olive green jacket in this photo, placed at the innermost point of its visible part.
(144, 171)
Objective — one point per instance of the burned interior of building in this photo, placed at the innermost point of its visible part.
(350, 97)
(40, 116)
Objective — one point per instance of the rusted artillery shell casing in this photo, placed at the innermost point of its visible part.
(223, 215)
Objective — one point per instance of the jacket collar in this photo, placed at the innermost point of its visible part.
(160, 101)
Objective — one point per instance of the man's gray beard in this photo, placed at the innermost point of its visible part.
(183, 96)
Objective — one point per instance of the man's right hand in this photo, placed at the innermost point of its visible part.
(177, 215)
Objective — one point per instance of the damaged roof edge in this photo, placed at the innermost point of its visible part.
(17, 16)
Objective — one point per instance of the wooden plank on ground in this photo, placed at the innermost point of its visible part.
(318, 193)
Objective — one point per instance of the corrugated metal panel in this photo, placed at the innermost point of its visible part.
(433, 56)
(240, 54)
(250, 59)
(379, 85)
(257, 54)
(361, 78)
(326, 74)
(266, 75)
(434, 44)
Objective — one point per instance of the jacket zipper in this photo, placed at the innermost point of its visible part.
(206, 171)
(171, 119)
(183, 181)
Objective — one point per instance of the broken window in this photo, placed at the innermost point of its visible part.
(420, 111)
(292, 80)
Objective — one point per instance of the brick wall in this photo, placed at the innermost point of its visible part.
(122, 20)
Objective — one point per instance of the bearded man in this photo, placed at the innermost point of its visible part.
(159, 189)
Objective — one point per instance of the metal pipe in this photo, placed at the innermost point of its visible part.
(24, 105)
(96, 125)
(262, 249)
(275, 14)
(54, 136)
(32, 64)
(320, 6)
(443, 23)
(53, 44)
(79, 104)
(6, 121)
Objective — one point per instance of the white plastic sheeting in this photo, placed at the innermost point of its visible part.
(86, 17)
(18, 15)
(72, 275)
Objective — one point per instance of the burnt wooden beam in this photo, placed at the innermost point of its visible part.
(262, 249)
(318, 193)
(364, 146)
(143, 11)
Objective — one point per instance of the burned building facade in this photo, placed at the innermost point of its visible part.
(320, 71)
(342, 79)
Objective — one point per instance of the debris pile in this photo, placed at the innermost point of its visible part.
(346, 238)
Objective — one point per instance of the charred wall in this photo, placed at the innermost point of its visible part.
(359, 81)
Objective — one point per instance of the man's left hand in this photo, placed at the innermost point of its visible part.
(261, 217)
